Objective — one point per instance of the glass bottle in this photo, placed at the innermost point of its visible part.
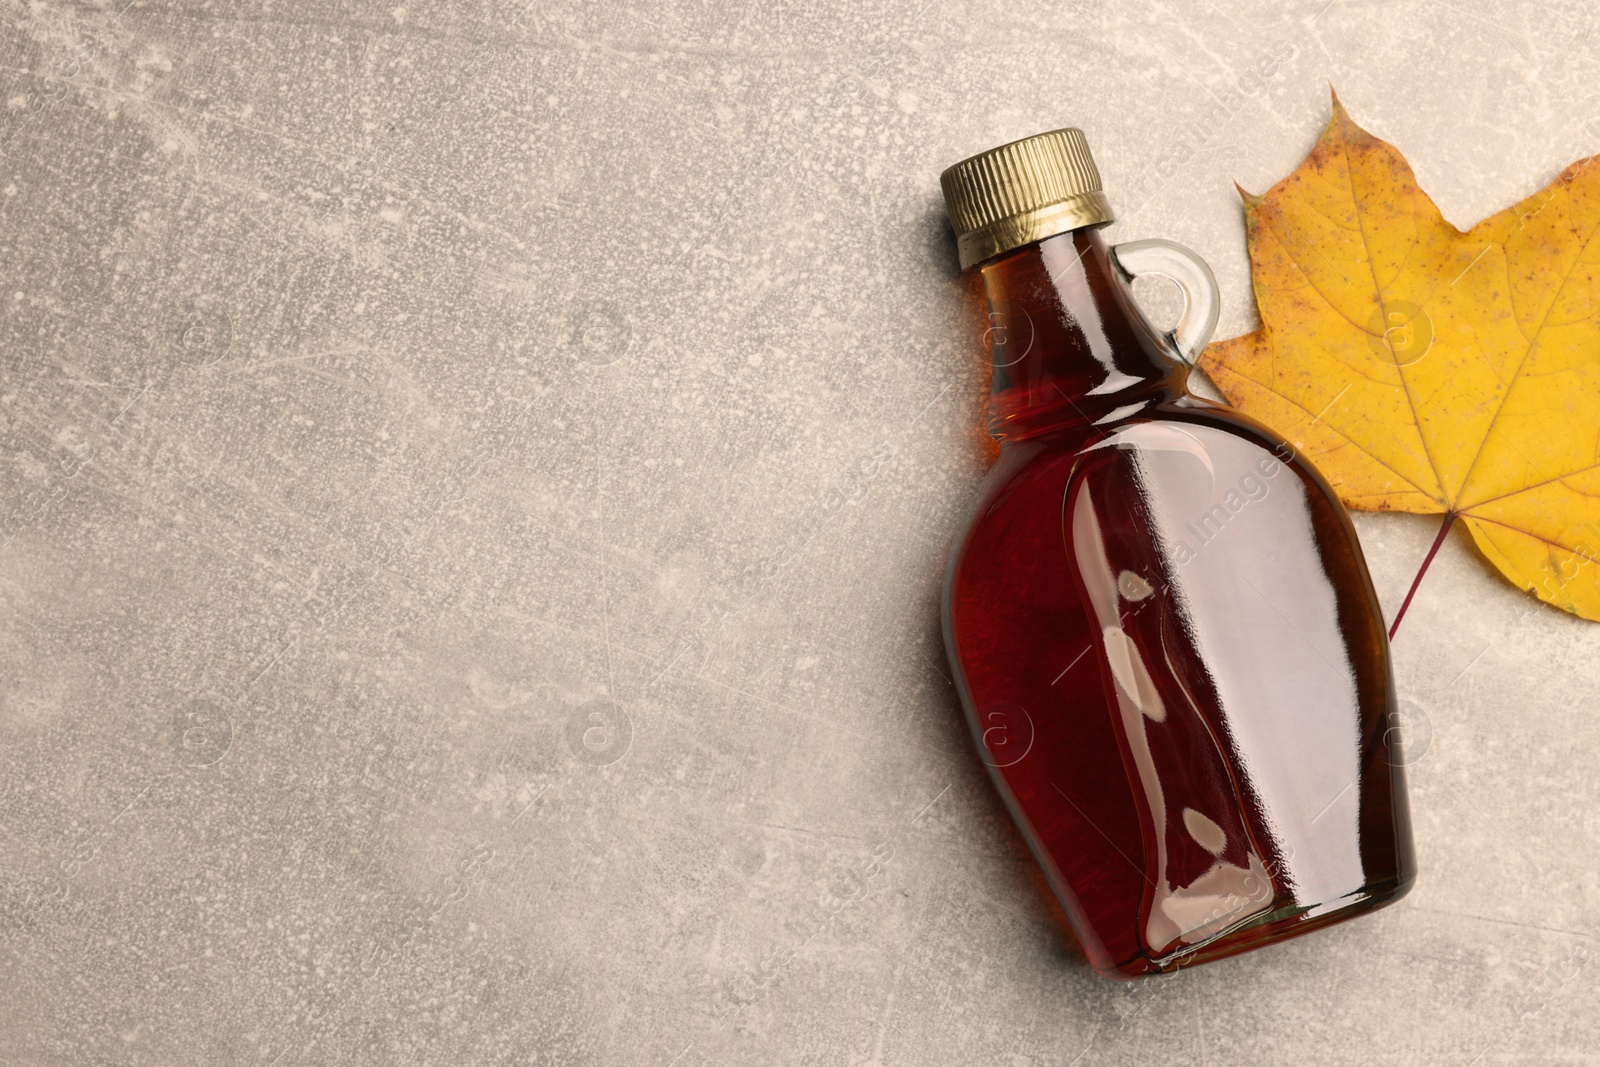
(1163, 631)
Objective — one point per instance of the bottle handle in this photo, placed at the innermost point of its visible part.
(1202, 304)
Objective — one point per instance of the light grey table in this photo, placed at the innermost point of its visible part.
(445, 616)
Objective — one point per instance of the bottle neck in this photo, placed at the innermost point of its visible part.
(1070, 349)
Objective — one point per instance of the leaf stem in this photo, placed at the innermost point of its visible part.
(1444, 528)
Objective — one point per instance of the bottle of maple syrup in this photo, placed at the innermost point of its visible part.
(1162, 627)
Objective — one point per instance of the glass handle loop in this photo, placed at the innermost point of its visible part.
(1202, 304)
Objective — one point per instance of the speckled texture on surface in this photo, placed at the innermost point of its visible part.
(477, 481)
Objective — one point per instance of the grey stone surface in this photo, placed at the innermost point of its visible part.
(446, 617)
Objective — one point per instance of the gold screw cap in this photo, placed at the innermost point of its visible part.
(1023, 192)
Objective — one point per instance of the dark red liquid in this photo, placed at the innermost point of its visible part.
(1166, 641)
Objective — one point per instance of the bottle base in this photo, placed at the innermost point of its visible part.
(1279, 924)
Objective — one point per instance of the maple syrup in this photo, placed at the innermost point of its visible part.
(1163, 631)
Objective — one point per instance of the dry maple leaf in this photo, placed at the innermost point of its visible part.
(1428, 370)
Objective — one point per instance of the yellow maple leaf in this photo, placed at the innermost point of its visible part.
(1428, 370)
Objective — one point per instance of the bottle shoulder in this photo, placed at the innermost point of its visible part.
(1185, 417)
(1214, 443)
